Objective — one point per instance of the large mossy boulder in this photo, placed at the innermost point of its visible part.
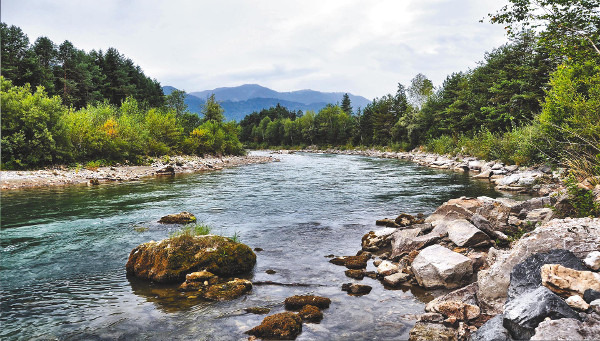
(282, 326)
(170, 260)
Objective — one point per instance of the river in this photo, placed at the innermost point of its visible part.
(63, 250)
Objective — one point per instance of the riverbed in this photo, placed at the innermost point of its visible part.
(64, 249)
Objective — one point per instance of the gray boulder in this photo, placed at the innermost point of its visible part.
(436, 266)
(492, 330)
(568, 329)
(526, 275)
(465, 294)
(462, 233)
(579, 236)
(524, 313)
(403, 243)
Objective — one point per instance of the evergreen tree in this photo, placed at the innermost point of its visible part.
(346, 105)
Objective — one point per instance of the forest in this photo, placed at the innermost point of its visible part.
(533, 100)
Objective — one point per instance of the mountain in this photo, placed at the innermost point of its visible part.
(242, 100)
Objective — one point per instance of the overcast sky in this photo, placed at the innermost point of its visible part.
(363, 47)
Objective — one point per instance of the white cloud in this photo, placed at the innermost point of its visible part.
(363, 47)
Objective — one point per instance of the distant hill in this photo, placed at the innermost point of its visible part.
(243, 100)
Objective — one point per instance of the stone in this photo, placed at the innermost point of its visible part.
(497, 212)
(432, 331)
(591, 295)
(352, 262)
(355, 273)
(376, 240)
(178, 218)
(406, 220)
(595, 305)
(405, 241)
(170, 260)
(485, 226)
(282, 326)
(436, 266)
(456, 309)
(385, 222)
(568, 329)
(580, 236)
(448, 212)
(492, 330)
(198, 281)
(168, 170)
(257, 310)
(567, 282)
(356, 289)
(396, 279)
(297, 302)
(310, 313)
(228, 291)
(431, 317)
(523, 314)
(462, 233)
(540, 215)
(483, 175)
(527, 275)
(592, 260)
(387, 268)
(576, 302)
(465, 295)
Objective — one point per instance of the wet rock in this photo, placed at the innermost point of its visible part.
(576, 235)
(527, 275)
(179, 218)
(270, 272)
(172, 259)
(407, 220)
(198, 280)
(396, 279)
(228, 291)
(591, 295)
(593, 260)
(465, 295)
(385, 222)
(576, 302)
(376, 240)
(352, 262)
(282, 326)
(523, 314)
(431, 317)
(310, 313)
(492, 330)
(462, 233)
(356, 274)
(94, 182)
(436, 266)
(567, 282)
(432, 331)
(387, 268)
(356, 289)
(568, 329)
(257, 310)
(258, 249)
(168, 170)
(297, 302)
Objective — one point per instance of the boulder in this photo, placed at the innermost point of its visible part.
(297, 302)
(376, 240)
(497, 212)
(522, 208)
(178, 218)
(465, 295)
(448, 212)
(595, 305)
(170, 260)
(457, 310)
(567, 282)
(405, 241)
(310, 313)
(385, 222)
(591, 295)
(356, 289)
(593, 260)
(485, 226)
(436, 266)
(523, 314)
(568, 329)
(462, 233)
(228, 290)
(527, 275)
(352, 262)
(407, 220)
(355, 273)
(579, 236)
(396, 279)
(282, 326)
(492, 330)
(432, 331)
(168, 170)
(387, 268)
(539, 215)
(576, 302)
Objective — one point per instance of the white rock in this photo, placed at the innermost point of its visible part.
(593, 260)
(396, 278)
(462, 233)
(576, 302)
(595, 305)
(436, 266)
(387, 268)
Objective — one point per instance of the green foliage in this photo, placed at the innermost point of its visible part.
(581, 199)
(191, 230)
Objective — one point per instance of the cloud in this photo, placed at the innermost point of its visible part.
(359, 46)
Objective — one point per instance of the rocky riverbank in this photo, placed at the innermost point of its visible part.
(61, 176)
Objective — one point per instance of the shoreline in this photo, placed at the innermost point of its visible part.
(181, 164)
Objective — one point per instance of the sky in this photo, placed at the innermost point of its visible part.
(364, 47)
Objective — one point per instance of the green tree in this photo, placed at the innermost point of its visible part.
(212, 110)
(419, 90)
(346, 104)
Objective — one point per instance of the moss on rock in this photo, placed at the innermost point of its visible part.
(297, 302)
(228, 290)
(179, 218)
(310, 313)
(282, 326)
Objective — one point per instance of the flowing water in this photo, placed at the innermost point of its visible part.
(63, 250)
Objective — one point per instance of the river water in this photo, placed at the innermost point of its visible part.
(63, 250)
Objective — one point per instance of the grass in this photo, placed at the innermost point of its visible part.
(191, 230)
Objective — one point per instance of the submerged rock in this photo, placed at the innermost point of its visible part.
(257, 310)
(297, 302)
(228, 290)
(282, 326)
(354, 273)
(356, 289)
(310, 313)
(436, 266)
(352, 262)
(179, 218)
(170, 260)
